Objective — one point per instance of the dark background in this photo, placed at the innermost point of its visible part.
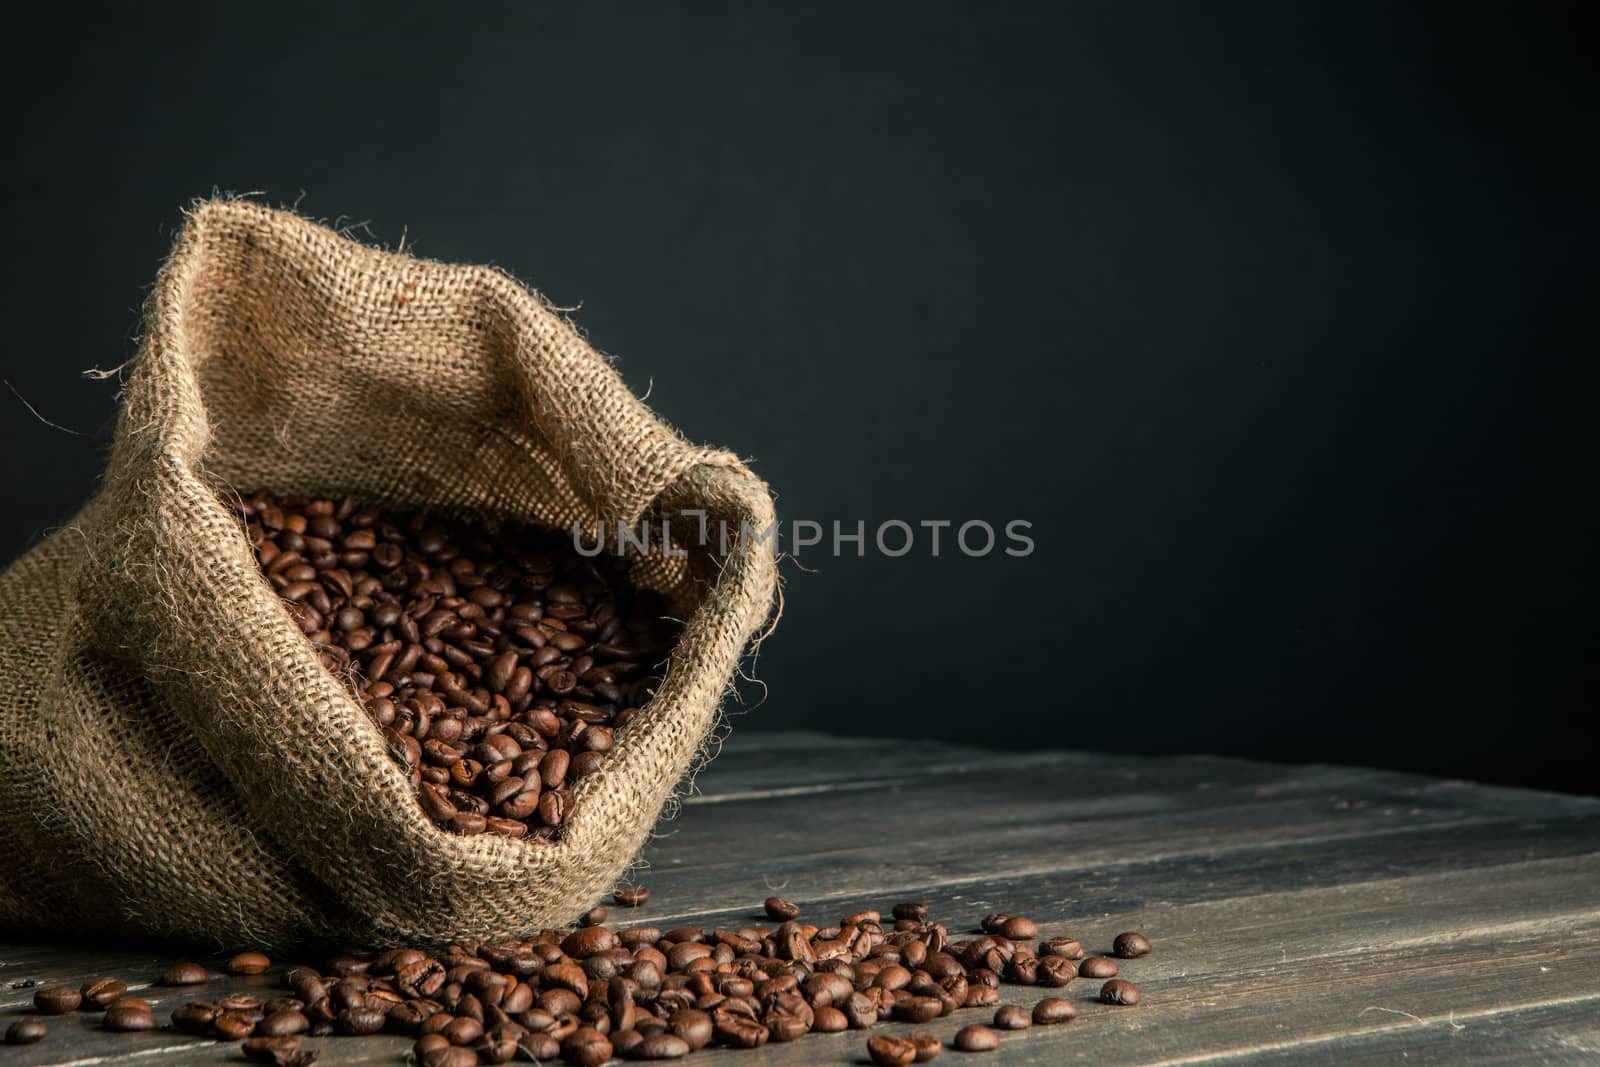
(1273, 319)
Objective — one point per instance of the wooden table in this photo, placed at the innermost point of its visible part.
(1304, 915)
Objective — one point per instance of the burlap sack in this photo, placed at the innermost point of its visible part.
(173, 757)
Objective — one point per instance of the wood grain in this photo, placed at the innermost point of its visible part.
(1301, 915)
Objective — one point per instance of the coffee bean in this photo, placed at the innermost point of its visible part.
(196, 1017)
(280, 1051)
(829, 1020)
(98, 993)
(450, 1056)
(992, 922)
(780, 910)
(180, 974)
(233, 1025)
(283, 1024)
(891, 1050)
(27, 1031)
(1065, 947)
(633, 896)
(913, 911)
(249, 963)
(918, 1009)
(1120, 991)
(1017, 928)
(976, 1039)
(594, 916)
(1130, 946)
(586, 1047)
(1052, 1010)
(693, 1026)
(1097, 967)
(1055, 971)
(57, 999)
(741, 1031)
(1012, 1017)
(128, 1017)
(928, 1047)
(663, 1046)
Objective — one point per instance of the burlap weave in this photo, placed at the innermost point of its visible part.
(173, 757)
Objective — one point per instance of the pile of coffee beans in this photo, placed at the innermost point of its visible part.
(591, 993)
(499, 663)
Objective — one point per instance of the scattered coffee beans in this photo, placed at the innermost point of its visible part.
(589, 993)
(1119, 991)
(26, 1031)
(976, 1039)
(499, 664)
(1054, 1010)
(1130, 946)
(57, 1000)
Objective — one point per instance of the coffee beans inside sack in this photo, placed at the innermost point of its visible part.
(440, 722)
(499, 665)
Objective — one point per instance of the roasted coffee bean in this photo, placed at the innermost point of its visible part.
(737, 1030)
(449, 1056)
(1097, 967)
(913, 911)
(891, 1050)
(196, 1017)
(1055, 971)
(976, 1039)
(1130, 946)
(129, 1017)
(1065, 947)
(283, 1024)
(233, 1025)
(26, 1031)
(281, 1051)
(586, 1047)
(991, 923)
(249, 963)
(695, 1027)
(861, 1011)
(98, 993)
(663, 1046)
(594, 916)
(1120, 991)
(57, 999)
(184, 974)
(928, 1047)
(633, 896)
(829, 1020)
(1017, 928)
(780, 910)
(1012, 1017)
(1054, 1010)
(916, 1009)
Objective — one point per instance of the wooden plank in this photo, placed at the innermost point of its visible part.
(1296, 910)
(985, 830)
(1545, 1034)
